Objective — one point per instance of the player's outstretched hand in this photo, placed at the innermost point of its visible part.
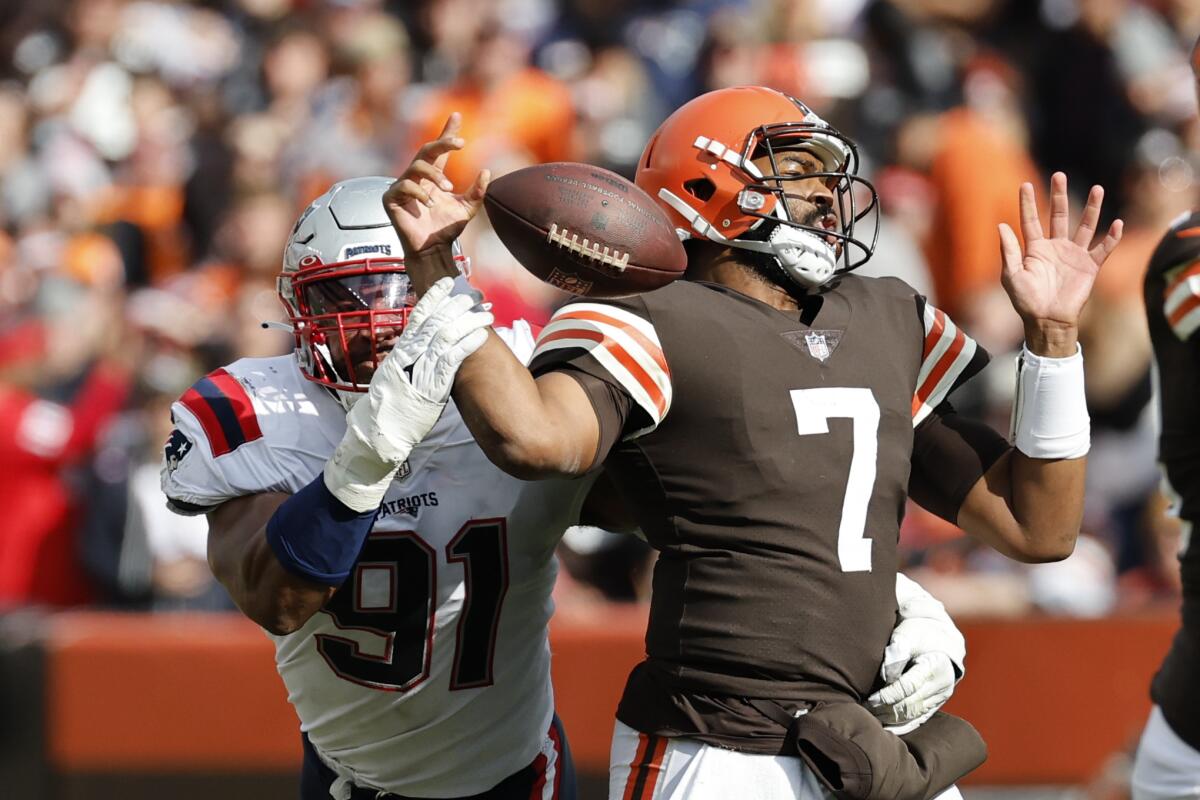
(438, 338)
(407, 394)
(1050, 281)
(411, 386)
(422, 203)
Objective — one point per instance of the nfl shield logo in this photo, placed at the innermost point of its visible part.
(819, 344)
(818, 347)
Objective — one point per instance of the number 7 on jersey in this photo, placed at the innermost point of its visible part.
(814, 409)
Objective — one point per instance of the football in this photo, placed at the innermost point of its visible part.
(585, 230)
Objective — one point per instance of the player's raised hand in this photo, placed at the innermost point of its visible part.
(1050, 281)
(422, 203)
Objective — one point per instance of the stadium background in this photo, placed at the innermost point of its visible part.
(154, 154)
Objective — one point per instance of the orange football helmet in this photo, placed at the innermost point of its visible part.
(699, 167)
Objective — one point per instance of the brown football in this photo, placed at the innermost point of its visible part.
(585, 230)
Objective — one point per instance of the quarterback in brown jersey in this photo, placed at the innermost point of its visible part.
(1168, 758)
(765, 419)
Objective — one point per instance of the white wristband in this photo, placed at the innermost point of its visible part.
(1050, 417)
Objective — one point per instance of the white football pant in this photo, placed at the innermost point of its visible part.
(1167, 767)
(645, 767)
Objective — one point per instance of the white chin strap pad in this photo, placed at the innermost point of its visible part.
(805, 257)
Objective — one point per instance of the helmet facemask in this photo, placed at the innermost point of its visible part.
(805, 250)
(345, 288)
(715, 166)
(347, 317)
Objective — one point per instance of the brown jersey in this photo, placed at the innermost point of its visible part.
(766, 456)
(1172, 292)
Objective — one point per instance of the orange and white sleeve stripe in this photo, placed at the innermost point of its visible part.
(623, 344)
(947, 354)
(1181, 301)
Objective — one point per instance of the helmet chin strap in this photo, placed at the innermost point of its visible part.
(807, 259)
(804, 257)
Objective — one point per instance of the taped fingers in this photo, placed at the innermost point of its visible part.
(923, 688)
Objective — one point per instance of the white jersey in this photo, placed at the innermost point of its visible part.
(428, 673)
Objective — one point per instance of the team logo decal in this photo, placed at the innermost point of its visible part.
(370, 248)
(410, 505)
(818, 344)
(177, 447)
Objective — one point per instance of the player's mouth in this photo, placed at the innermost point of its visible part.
(365, 359)
(369, 362)
(828, 222)
(819, 217)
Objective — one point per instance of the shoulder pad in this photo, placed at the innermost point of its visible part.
(615, 341)
(224, 410)
(949, 358)
(887, 284)
(1179, 246)
(250, 427)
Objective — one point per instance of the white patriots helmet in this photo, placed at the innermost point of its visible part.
(344, 285)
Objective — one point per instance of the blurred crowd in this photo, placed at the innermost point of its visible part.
(154, 154)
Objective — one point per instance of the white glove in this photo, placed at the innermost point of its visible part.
(398, 411)
(912, 696)
(920, 661)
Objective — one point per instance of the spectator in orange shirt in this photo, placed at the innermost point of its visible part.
(977, 152)
(508, 107)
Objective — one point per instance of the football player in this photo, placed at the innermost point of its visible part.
(765, 419)
(405, 580)
(296, 462)
(1168, 757)
(1167, 766)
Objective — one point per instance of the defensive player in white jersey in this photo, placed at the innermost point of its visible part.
(426, 672)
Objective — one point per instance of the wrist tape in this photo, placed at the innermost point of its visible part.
(316, 536)
(1050, 417)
